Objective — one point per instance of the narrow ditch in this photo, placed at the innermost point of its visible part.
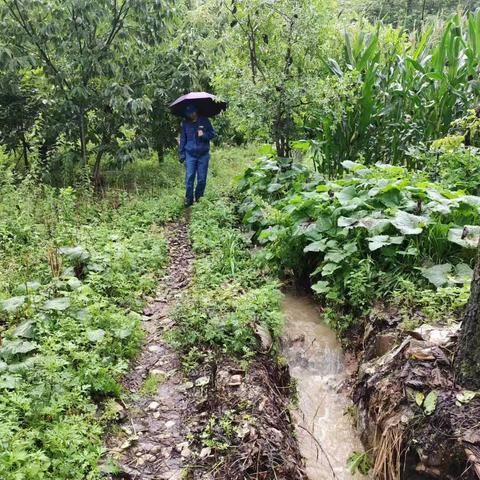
(324, 429)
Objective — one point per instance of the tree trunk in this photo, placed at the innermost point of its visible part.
(83, 139)
(467, 361)
(96, 170)
(25, 152)
(160, 152)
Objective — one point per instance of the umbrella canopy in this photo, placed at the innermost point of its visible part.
(206, 104)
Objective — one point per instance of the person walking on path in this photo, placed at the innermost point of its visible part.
(194, 152)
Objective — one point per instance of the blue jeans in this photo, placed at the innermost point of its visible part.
(196, 167)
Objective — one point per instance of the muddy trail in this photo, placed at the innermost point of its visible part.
(151, 444)
(176, 431)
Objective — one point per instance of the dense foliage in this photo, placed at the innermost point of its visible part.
(73, 274)
(365, 236)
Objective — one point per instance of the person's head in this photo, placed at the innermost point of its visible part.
(191, 113)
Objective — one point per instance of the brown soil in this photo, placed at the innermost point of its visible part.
(243, 428)
(406, 441)
(153, 426)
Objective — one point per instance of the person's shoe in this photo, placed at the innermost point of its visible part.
(188, 203)
(198, 199)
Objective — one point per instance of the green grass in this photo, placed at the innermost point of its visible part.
(232, 290)
(74, 321)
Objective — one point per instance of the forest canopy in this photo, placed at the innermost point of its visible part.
(83, 83)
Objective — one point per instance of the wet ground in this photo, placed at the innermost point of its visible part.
(151, 443)
(324, 428)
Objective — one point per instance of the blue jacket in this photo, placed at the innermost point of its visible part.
(191, 143)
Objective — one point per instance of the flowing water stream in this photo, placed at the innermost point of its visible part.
(325, 432)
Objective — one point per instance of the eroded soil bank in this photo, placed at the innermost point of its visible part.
(418, 421)
(324, 426)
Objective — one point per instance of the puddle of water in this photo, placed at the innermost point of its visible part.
(325, 432)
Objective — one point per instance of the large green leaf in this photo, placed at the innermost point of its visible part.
(25, 329)
(321, 287)
(58, 304)
(78, 254)
(96, 335)
(409, 224)
(438, 274)
(15, 347)
(379, 241)
(467, 237)
(11, 305)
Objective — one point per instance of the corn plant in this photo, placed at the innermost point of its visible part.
(406, 92)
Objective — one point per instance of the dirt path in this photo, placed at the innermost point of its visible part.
(151, 441)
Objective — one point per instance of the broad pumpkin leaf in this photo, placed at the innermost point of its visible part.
(463, 273)
(329, 269)
(408, 223)
(78, 254)
(96, 335)
(467, 237)
(11, 305)
(15, 347)
(438, 274)
(58, 304)
(379, 241)
(321, 287)
(318, 246)
(25, 329)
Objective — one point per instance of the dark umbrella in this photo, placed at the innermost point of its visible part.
(206, 103)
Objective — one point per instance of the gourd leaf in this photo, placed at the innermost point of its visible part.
(25, 329)
(96, 335)
(78, 254)
(15, 347)
(467, 237)
(438, 274)
(58, 304)
(321, 287)
(409, 224)
(379, 241)
(11, 305)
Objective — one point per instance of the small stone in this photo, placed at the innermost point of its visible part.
(235, 380)
(140, 461)
(186, 452)
(153, 406)
(188, 385)
(179, 447)
(202, 381)
(205, 452)
(149, 457)
(170, 424)
(156, 415)
(155, 348)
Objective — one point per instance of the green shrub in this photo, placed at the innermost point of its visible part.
(358, 235)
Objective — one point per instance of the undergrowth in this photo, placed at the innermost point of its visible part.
(74, 270)
(375, 234)
(233, 293)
